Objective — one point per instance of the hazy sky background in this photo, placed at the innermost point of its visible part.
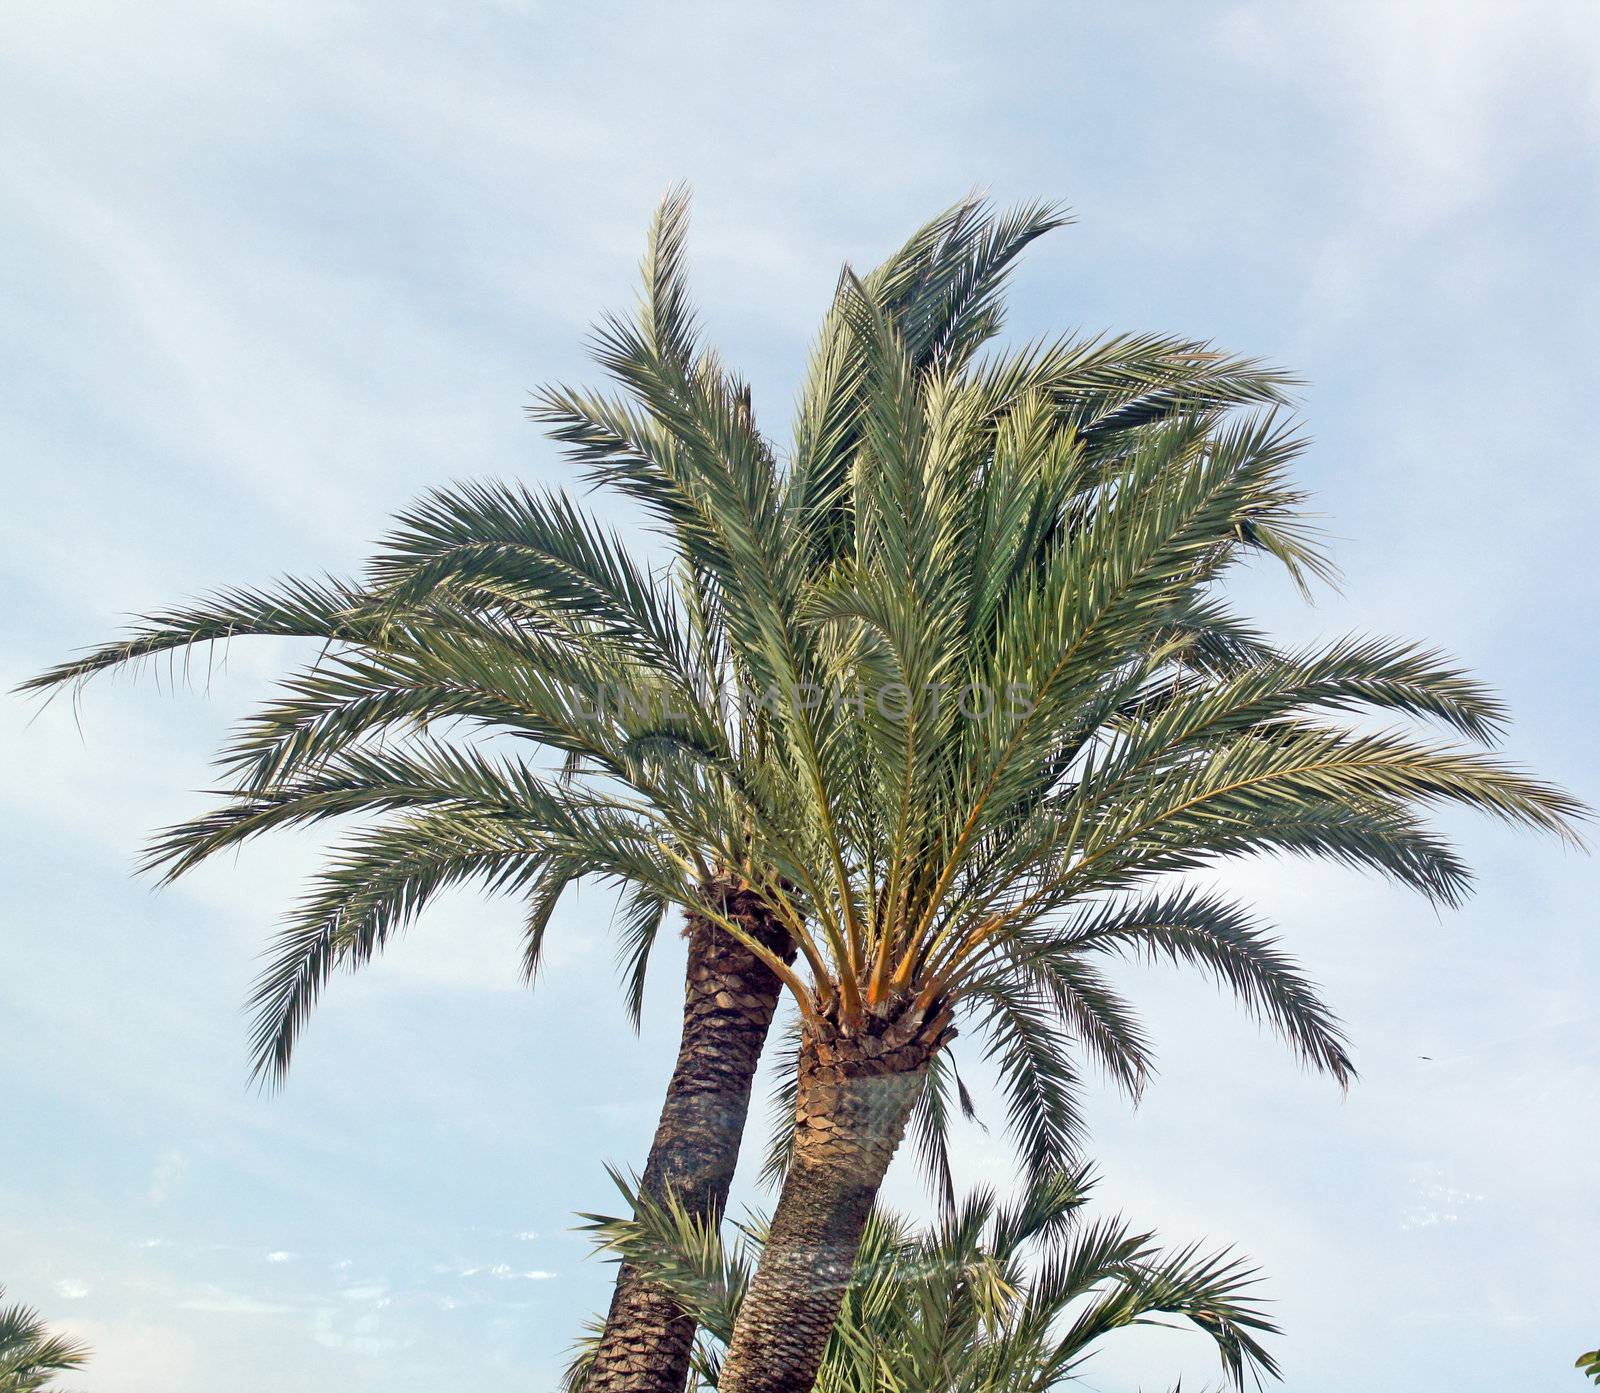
(269, 270)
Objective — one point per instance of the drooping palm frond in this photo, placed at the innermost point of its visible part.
(380, 878)
(500, 545)
(992, 1298)
(327, 610)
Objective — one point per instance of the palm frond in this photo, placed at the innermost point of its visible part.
(330, 611)
(30, 1355)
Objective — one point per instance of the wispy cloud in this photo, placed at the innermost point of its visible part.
(234, 1304)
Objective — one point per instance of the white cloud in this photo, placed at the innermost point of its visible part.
(234, 1304)
(1435, 92)
(168, 1171)
(364, 1335)
(71, 1289)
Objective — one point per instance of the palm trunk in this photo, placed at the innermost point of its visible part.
(858, 1085)
(729, 999)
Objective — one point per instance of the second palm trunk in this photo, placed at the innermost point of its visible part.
(858, 1083)
(730, 996)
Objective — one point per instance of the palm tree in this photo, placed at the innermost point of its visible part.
(30, 1356)
(493, 610)
(940, 858)
(993, 1300)
(1590, 1364)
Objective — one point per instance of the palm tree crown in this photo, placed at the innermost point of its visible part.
(1017, 704)
(495, 610)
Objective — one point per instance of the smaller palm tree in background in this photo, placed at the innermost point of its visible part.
(30, 1356)
(995, 1299)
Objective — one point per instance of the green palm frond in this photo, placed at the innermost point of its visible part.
(30, 1356)
(326, 610)
(1030, 1048)
(501, 545)
(425, 774)
(1191, 927)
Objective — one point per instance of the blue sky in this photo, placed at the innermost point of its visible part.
(271, 270)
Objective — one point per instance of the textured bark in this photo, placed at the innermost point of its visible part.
(729, 999)
(857, 1088)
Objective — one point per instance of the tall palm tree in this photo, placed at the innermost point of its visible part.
(992, 1300)
(932, 853)
(495, 610)
(30, 1356)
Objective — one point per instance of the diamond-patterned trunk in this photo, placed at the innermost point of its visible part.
(857, 1087)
